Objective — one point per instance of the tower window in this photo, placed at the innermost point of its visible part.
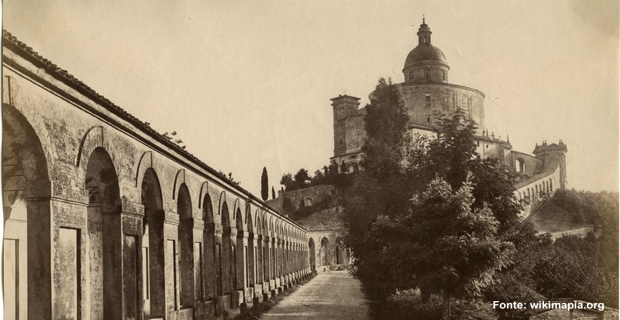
(428, 100)
(411, 76)
(443, 75)
(340, 142)
(428, 119)
(427, 73)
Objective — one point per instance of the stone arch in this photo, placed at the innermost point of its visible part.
(145, 162)
(26, 191)
(312, 254)
(221, 204)
(240, 254)
(258, 223)
(209, 266)
(239, 219)
(324, 252)
(264, 247)
(520, 165)
(259, 260)
(237, 206)
(179, 180)
(152, 267)
(271, 226)
(93, 138)
(339, 251)
(104, 236)
(251, 251)
(225, 252)
(204, 190)
(186, 246)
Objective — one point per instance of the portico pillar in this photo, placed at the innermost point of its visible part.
(229, 265)
(171, 263)
(211, 282)
(199, 277)
(131, 238)
(42, 241)
(242, 264)
(266, 264)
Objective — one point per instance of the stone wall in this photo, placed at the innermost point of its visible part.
(310, 196)
(443, 98)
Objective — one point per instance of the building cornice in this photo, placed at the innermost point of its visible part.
(441, 84)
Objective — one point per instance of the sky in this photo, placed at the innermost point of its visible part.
(247, 84)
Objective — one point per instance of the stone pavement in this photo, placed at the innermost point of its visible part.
(330, 295)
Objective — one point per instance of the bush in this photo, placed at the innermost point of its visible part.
(565, 274)
(404, 304)
(510, 288)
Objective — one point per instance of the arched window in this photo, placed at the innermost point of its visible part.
(411, 76)
(427, 73)
(520, 165)
(443, 75)
(308, 202)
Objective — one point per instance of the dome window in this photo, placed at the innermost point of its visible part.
(427, 73)
(443, 75)
(411, 76)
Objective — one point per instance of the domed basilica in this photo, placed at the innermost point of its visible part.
(427, 95)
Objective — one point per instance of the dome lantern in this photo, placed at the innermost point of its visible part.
(426, 63)
(424, 33)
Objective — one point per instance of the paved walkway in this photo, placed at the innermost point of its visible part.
(330, 295)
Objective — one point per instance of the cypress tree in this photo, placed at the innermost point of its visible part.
(264, 185)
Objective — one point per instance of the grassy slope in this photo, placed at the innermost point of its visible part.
(552, 218)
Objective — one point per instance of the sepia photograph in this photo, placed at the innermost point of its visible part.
(310, 160)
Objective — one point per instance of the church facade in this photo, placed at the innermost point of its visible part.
(428, 95)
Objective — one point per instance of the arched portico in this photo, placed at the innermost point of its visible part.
(152, 267)
(26, 191)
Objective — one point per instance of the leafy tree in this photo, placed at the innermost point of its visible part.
(288, 182)
(479, 219)
(318, 177)
(301, 177)
(386, 132)
(451, 247)
(381, 189)
(264, 185)
(453, 157)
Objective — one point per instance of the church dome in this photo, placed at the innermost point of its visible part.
(423, 53)
(426, 63)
